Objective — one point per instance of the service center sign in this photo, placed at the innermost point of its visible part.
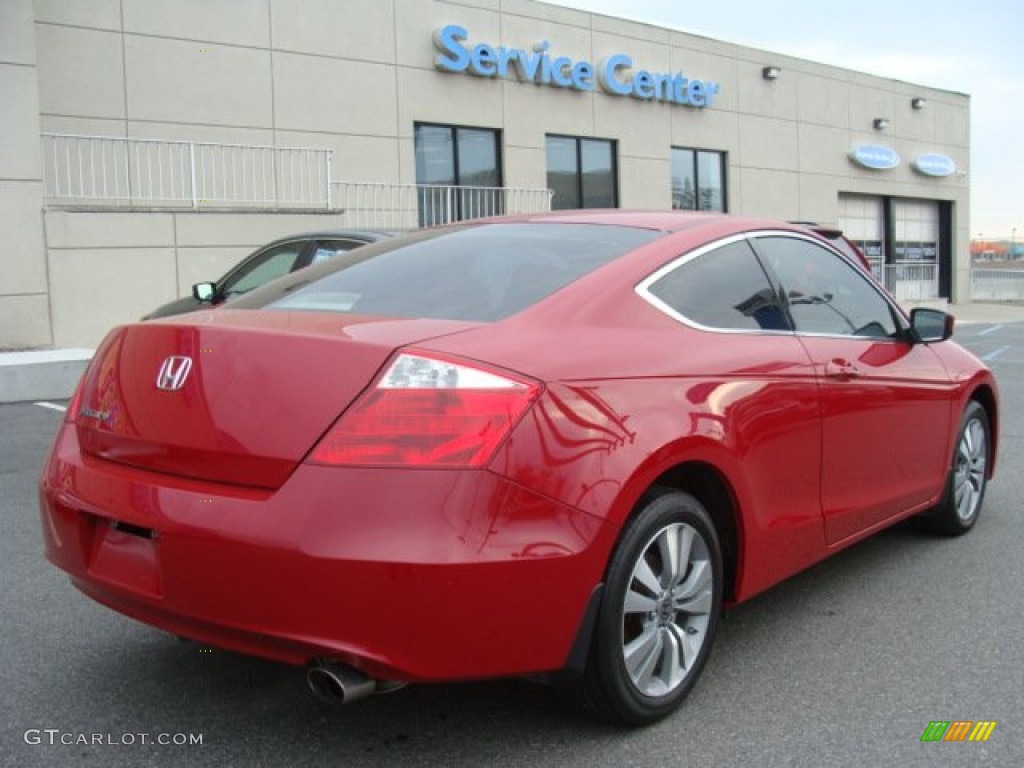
(614, 75)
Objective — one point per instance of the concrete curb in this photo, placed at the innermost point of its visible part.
(49, 374)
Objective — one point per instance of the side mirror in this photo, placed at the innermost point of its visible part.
(931, 324)
(204, 291)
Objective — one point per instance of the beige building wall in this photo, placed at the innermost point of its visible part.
(355, 76)
(24, 303)
(113, 267)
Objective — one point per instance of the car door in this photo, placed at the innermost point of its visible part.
(886, 402)
(746, 380)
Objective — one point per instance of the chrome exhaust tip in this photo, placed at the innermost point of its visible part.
(336, 683)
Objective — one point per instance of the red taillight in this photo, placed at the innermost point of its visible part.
(428, 411)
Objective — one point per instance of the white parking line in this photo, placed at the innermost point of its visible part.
(996, 353)
(52, 406)
(989, 330)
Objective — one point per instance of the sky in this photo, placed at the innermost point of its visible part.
(973, 47)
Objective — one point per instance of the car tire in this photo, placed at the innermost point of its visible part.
(967, 480)
(659, 610)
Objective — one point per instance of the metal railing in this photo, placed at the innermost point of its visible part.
(381, 205)
(119, 172)
(913, 280)
(997, 284)
(107, 170)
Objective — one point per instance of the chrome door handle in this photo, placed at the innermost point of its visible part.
(840, 369)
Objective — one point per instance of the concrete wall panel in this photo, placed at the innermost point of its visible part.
(313, 93)
(19, 123)
(81, 72)
(771, 194)
(16, 45)
(361, 30)
(189, 81)
(95, 289)
(82, 230)
(22, 268)
(24, 321)
(235, 22)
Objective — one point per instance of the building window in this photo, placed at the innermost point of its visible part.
(698, 180)
(466, 158)
(582, 173)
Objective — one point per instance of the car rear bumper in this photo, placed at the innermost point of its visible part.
(407, 575)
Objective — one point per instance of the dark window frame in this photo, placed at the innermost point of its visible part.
(578, 140)
(723, 170)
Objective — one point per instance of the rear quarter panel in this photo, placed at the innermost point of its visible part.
(660, 394)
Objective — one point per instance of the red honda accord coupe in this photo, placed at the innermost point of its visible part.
(552, 446)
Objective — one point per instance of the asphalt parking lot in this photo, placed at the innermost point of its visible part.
(845, 664)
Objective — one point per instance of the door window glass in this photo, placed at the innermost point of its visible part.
(824, 294)
(263, 268)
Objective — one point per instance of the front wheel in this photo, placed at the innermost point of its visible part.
(968, 476)
(658, 614)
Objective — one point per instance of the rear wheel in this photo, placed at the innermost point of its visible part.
(658, 613)
(968, 476)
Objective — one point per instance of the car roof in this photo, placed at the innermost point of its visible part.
(664, 221)
(368, 235)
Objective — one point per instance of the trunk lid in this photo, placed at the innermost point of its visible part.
(233, 396)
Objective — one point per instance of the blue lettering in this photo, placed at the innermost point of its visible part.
(538, 65)
(643, 85)
(483, 61)
(558, 72)
(529, 65)
(607, 74)
(506, 56)
(680, 92)
(696, 93)
(447, 40)
(583, 76)
(663, 87)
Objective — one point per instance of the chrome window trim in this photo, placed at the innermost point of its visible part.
(643, 288)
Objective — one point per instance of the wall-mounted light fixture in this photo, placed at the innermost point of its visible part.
(918, 103)
(881, 123)
(771, 73)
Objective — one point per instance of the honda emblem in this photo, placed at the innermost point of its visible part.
(173, 373)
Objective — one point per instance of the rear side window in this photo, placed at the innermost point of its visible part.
(328, 249)
(478, 273)
(722, 288)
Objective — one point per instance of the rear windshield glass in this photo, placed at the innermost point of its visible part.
(480, 273)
